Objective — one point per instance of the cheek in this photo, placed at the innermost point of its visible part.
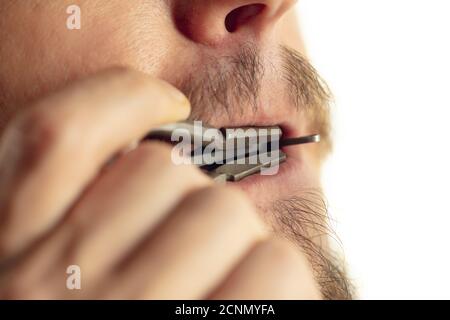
(39, 53)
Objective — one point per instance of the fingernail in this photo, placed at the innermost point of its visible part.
(185, 106)
(178, 95)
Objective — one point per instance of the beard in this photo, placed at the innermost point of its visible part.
(304, 220)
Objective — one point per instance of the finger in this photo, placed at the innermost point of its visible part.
(273, 270)
(192, 251)
(125, 204)
(52, 151)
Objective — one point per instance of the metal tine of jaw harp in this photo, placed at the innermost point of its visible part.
(165, 133)
(235, 172)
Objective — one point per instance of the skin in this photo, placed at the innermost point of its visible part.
(71, 100)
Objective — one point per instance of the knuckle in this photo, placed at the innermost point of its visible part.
(15, 288)
(157, 156)
(292, 269)
(194, 176)
(239, 206)
(40, 131)
(151, 153)
(14, 291)
(285, 257)
(230, 207)
(21, 291)
(231, 196)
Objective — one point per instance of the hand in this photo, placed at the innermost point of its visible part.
(139, 227)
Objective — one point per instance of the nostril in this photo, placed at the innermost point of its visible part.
(242, 15)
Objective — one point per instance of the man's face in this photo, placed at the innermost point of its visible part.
(241, 64)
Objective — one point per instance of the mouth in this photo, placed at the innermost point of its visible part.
(260, 154)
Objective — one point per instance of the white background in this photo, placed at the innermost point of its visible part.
(387, 62)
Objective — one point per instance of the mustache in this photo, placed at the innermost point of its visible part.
(225, 85)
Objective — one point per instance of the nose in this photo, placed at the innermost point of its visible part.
(212, 22)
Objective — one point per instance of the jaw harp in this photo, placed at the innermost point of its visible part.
(239, 166)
